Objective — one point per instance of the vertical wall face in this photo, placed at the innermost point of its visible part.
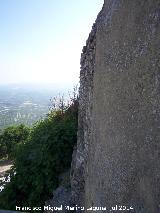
(119, 120)
(123, 162)
(79, 158)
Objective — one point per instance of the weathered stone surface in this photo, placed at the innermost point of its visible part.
(79, 158)
(61, 196)
(118, 150)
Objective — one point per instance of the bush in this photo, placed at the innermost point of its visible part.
(38, 163)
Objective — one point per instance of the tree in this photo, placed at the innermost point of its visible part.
(11, 137)
(3, 149)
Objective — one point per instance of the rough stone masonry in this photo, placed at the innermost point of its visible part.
(117, 160)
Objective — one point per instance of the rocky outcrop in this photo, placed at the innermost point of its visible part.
(61, 199)
(61, 195)
(117, 157)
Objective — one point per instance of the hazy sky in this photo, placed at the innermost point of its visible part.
(41, 40)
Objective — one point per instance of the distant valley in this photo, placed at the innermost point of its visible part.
(25, 103)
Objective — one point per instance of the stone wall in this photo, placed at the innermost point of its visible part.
(85, 108)
(117, 160)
